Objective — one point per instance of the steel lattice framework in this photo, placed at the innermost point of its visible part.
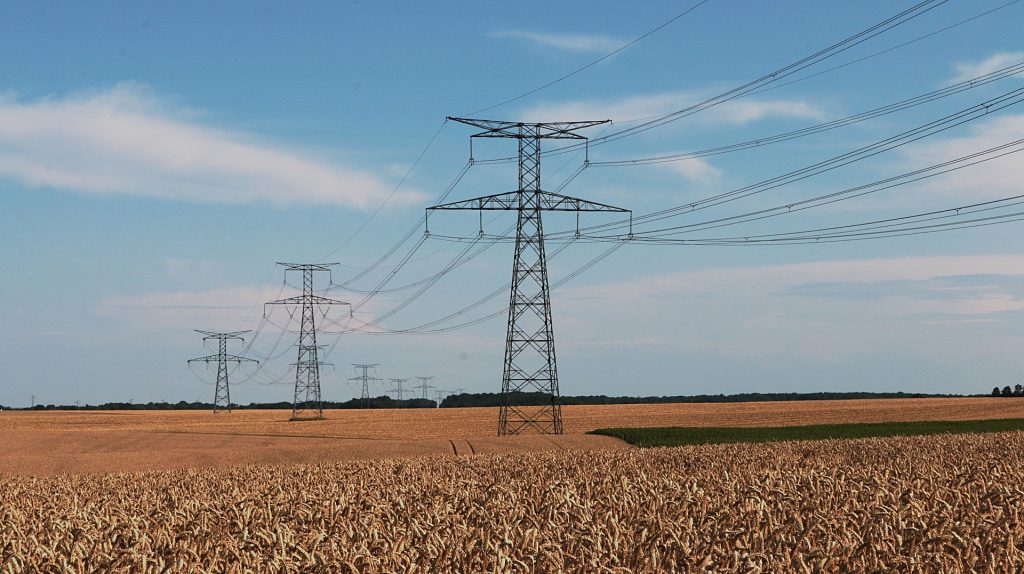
(398, 387)
(222, 392)
(307, 397)
(424, 385)
(365, 378)
(530, 364)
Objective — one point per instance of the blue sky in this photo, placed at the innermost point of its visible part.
(157, 159)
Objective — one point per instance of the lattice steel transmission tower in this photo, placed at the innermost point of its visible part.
(365, 378)
(440, 395)
(530, 364)
(222, 392)
(398, 387)
(307, 368)
(424, 385)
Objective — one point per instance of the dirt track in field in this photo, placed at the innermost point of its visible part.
(42, 443)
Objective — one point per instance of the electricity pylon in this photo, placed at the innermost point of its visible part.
(365, 378)
(222, 392)
(530, 363)
(440, 395)
(398, 387)
(424, 385)
(307, 367)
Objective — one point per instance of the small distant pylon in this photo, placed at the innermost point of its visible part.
(424, 385)
(222, 392)
(365, 378)
(398, 387)
(307, 368)
(440, 395)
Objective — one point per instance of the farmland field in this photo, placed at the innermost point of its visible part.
(435, 491)
(944, 503)
(41, 443)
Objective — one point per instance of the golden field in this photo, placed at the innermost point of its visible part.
(40, 443)
(949, 503)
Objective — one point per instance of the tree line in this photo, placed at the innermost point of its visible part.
(538, 399)
(1016, 391)
(516, 399)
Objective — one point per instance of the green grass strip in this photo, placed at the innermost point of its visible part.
(678, 436)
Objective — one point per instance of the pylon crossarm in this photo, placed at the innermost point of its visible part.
(544, 130)
(307, 266)
(557, 202)
(498, 202)
(510, 201)
(213, 335)
(300, 299)
(206, 359)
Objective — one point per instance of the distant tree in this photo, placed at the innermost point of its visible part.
(995, 391)
(1018, 390)
(1007, 391)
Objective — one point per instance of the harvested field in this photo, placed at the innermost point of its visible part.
(446, 423)
(41, 453)
(949, 503)
(40, 442)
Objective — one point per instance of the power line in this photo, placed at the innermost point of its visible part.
(783, 72)
(408, 235)
(821, 55)
(591, 64)
(931, 171)
(901, 139)
(391, 194)
(886, 50)
(908, 103)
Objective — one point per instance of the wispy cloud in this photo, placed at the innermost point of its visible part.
(125, 140)
(228, 308)
(583, 43)
(695, 169)
(222, 308)
(738, 112)
(968, 70)
(807, 310)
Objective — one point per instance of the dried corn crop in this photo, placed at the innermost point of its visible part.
(930, 504)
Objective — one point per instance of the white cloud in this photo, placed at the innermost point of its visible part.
(737, 112)
(695, 169)
(126, 141)
(967, 70)
(803, 311)
(745, 111)
(1000, 177)
(594, 43)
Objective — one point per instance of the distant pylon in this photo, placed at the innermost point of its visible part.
(398, 387)
(365, 378)
(424, 385)
(530, 364)
(307, 367)
(440, 395)
(222, 392)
